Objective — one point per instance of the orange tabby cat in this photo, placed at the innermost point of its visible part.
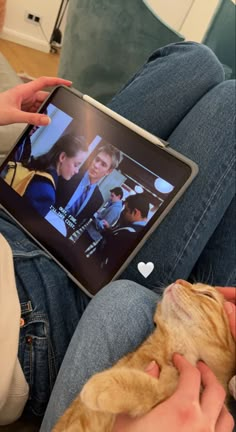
(190, 320)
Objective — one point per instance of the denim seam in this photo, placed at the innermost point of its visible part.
(51, 363)
(37, 317)
(32, 254)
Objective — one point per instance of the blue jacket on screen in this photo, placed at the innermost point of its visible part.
(41, 192)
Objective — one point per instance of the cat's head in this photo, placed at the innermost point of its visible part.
(195, 313)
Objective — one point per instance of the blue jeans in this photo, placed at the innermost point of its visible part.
(51, 307)
(178, 95)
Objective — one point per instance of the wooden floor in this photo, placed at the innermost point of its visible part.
(29, 61)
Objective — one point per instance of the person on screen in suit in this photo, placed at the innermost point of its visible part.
(106, 217)
(132, 221)
(81, 197)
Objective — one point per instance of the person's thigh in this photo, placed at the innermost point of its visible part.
(51, 306)
(166, 97)
(115, 322)
(165, 89)
(207, 136)
(217, 262)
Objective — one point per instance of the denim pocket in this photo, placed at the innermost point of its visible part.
(37, 360)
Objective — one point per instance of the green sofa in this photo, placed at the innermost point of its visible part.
(105, 42)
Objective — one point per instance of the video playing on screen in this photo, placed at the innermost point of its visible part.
(96, 196)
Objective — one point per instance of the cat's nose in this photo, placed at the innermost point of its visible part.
(183, 282)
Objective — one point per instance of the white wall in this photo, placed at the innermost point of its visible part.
(172, 12)
(199, 19)
(43, 139)
(188, 17)
(17, 29)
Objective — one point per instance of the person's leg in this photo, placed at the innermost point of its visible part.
(219, 253)
(204, 133)
(166, 88)
(51, 306)
(116, 321)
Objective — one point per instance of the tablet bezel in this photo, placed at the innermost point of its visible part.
(116, 130)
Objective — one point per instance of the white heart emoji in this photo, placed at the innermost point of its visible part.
(145, 269)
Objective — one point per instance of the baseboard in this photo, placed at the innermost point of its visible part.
(23, 39)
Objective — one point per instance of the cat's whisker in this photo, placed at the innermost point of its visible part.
(209, 278)
(193, 278)
(158, 287)
(200, 277)
(212, 278)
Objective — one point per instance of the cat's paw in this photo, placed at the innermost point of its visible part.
(98, 392)
(120, 390)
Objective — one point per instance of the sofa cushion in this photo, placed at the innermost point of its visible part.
(105, 42)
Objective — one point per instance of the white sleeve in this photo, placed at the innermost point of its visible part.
(13, 386)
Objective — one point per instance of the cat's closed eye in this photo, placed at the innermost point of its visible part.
(208, 294)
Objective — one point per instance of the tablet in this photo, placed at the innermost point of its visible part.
(91, 186)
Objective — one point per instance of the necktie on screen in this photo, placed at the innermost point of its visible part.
(77, 205)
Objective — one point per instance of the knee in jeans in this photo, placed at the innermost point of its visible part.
(201, 54)
(227, 90)
(124, 290)
(197, 60)
(122, 296)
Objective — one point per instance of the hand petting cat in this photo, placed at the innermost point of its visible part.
(184, 410)
(229, 294)
(191, 395)
(188, 411)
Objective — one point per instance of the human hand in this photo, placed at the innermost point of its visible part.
(105, 224)
(229, 293)
(230, 296)
(188, 410)
(20, 104)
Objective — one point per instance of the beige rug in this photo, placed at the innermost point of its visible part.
(25, 77)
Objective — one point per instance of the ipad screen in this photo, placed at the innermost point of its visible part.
(88, 189)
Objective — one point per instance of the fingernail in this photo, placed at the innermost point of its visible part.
(200, 362)
(151, 366)
(232, 386)
(45, 120)
(177, 355)
(228, 308)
